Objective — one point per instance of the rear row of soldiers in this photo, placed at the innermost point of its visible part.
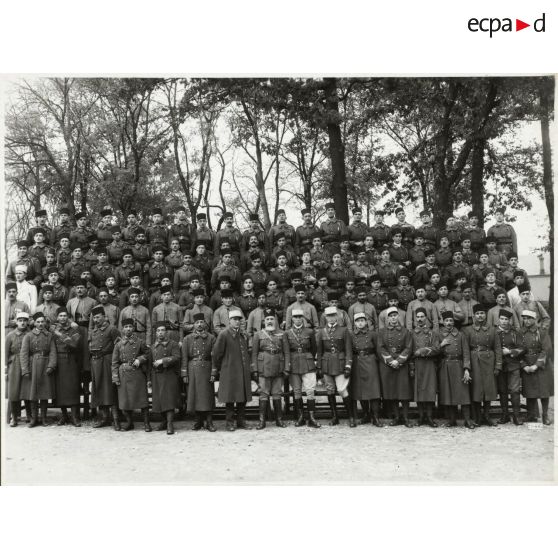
(127, 312)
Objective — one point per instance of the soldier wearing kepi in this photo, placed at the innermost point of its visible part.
(129, 373)
(196, 372)
(536, 376)
(426, 347)
(509, 379)
(365, 378)
(454, 372)
(301, 366)
(165, 376)
(394, 348)
(334, 361)
(486, 363)
(231, 366)
(269, 358)
(102, 337)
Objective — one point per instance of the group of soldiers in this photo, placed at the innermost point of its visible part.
(381, 315)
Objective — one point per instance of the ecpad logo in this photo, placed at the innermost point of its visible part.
(492, 25)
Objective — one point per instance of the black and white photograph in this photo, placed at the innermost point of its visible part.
(278, 280)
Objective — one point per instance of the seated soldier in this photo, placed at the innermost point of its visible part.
(377, 295)
(393, 301)
(221, 315)
(509, 272)
(199, 307)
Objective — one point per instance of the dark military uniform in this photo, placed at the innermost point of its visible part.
(67, 377)
(197, 349)
(381, 234)
(57, 232)
(166, 377)
(332, 230)
(509, 379)
(506, 239)
(426, 347)
(365, 376)
(33, 231)
(455, 358)
(101, 345)
(303, 237)
(37, 358)
(100, 272)
(104, 234)
(269, 357)
(182, 231)
(430, 235)
(538, 384)
(81, 236)
(157, 236)
(357, 233)
(232, 235)
(395, 343)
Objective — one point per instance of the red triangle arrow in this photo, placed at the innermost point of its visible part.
(519, 25)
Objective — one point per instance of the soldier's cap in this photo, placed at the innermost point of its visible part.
(398, 210)
(254, 217)
(115, 229)
(105, 212)
(127, 252)
(490, 240)
(225, 278)
(301, 288)
(419, 285)
(379, 212)
(321, 274)
(395, 231)
(297, 312)
(330, 310)
(420, 309)
(161, 323)
(201, 217)
(360, 250)
(465, 236)
(133, 290)
(487, 271)
(80, 215)
(21, 267)
(403, 272)
(466, 286)
(471, 214)
(63, 211)
(227, 214)
(38, 315)
(505, 313)
(393, 295)
(260, 292)
(518, 273)
(132, 212)
(500, 209)
(75, 246)
(499, 291)
(101, 252)
(358, 316)
(102, 290)
(139, 230)
(443, 234)
(255, 256)
(22, 243)
(235, 314)
(361, 289)
(333, 295)
(457, 251)
(280, 235)
(52, 269)
(336, 253)
(529, 314)
(180, 208)
(330, 205)
(40, 213)
(11, 285)
(306, 211)
(226, 293)
(91, 238)
(296, 275)
(428, 252)
(344, 238)
(525, 288)
(316, 234)
(24, 315)
(357, 209)
(483, 251)
(79, 283)
(51, 251)
(512, 255)
(279, 211)
(269, 313)
(375, 277)
(157, 211)
(417, 233)
(165, 289)
(39, 230)
(48, 288)
(392, 310)
(199, 316)
(197, 292)
(280, 253)
(443, 283)
(61, 310)
(447, 314)
(478, 308)
(226, 251)
(424, 212)
(156, 249)
(433, 271)
(127, 322)
(459, 275)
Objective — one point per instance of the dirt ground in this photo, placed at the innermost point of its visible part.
(68, 455)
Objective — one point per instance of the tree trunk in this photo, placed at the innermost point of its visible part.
(336, 150)
(477, 185)
(545, 105)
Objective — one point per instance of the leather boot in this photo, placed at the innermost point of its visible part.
(13, 412)
(516, 409)
(198, 425)
(429, 420)
(278, 411)
(115, 419)
(532, 410)
(311, 403)
(406, 421)
(334, 419)
(34, 414)
(376, 413)
(44, 406)
(170, 423)
(241, 420)
(545, 420)
(129, 421)
(348, 402)
(395, 413)
(74, 416)
(209, 423)
(366, 419)
(28, 412)
(477, 413)
(468, 423)
(486, 415)
(163, 424)
(451, 412)
(505, 418)
(86, 406)
(229, 417)
(64, 418)
(263, 413)
(146, 424)
(299, 412)
(103, 418)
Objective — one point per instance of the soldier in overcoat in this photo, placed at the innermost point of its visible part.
(18, 385)
(67, 376)
(365, 377)
(455, 371)
(231, 366)
(334, 355)
(395, 345)
(301, 366)
(38, 361)
(131, 374)
(486, 364)
(426, 348)
(196, 371)
(165, 376)
(269, 360)
(101, 339)
(536, 375)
